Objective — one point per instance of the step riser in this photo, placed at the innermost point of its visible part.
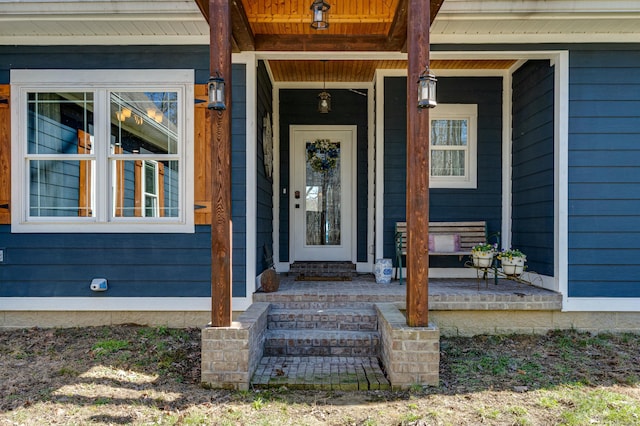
(290, 304)
(340, 346)
(293, 321)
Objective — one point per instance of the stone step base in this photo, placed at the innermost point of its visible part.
(326, 373)
(323, 271)
(347, 318)
(286, 342)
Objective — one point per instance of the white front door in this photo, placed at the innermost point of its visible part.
(322, 197)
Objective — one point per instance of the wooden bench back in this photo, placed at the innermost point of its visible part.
(471, 233)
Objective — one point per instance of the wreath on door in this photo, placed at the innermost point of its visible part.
(322, 155)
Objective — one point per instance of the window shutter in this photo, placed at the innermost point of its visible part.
(5, 154)
(202, 157)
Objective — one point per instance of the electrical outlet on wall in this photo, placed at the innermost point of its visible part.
(1, 255)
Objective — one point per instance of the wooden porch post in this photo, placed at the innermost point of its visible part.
(418, 24)
(220, 62)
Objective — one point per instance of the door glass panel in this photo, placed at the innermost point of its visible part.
(322, 193)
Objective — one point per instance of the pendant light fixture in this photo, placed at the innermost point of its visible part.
(324, 98)
(320, 15)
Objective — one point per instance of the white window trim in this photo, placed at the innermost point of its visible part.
(467, 112)
(24, 81)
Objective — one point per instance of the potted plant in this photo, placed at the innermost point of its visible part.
(512, 261)
(482, 255)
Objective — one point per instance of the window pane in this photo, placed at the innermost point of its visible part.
(134, 184)
(449, 132)
(447, 163)
(144, 122)
(55, 120)
(61, 188)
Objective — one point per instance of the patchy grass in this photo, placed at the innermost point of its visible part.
(141, 375)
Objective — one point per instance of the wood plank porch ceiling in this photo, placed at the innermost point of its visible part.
(354, 25)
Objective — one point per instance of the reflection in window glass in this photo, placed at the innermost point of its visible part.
(60, 124)
(54, 120)
(145, 122)
(61, 188)
(144, 188)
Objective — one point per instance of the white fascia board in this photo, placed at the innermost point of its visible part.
(601, 304)
(532, 39)
(151, 40)
(143, 304)
(104, 9)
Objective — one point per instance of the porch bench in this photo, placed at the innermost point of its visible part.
(445, 239)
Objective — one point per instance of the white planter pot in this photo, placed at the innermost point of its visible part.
(482, 259)
(514, 266)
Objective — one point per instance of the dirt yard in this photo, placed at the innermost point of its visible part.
(138, 375)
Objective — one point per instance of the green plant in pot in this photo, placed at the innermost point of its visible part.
(512, 261)
(482, 255)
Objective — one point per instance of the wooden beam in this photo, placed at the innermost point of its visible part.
(435, 8)
(417, 169)
(317, 42)
(242, 36)
(241, 29)
(220, 63)
(398, 31)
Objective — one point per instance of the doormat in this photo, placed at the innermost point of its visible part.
(323, 271)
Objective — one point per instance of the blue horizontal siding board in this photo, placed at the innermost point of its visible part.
(611, 157)
(606, 58)
(603, 273)
(603, 288)
(604, 191)
(629, 222)
(603, 207)
(609, 240)
(605, 109)
(605, 125)
(609, 257)
(604, 92)
(599, 174)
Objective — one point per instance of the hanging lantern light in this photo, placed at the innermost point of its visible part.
(216, 93)
(427, 89)
(324, 98)
(324, 102)
(320, 12)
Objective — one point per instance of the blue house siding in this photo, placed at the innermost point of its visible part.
(483, 203)
(136, 265)
(264, 225)
(532, 218)
(140, 265)
(348, 108)
(604, 172)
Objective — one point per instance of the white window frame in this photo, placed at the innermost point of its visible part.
(155, 191)
(100, 82)
(467, 112)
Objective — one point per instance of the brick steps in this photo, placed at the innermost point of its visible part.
(288, 342)
(326, 318)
